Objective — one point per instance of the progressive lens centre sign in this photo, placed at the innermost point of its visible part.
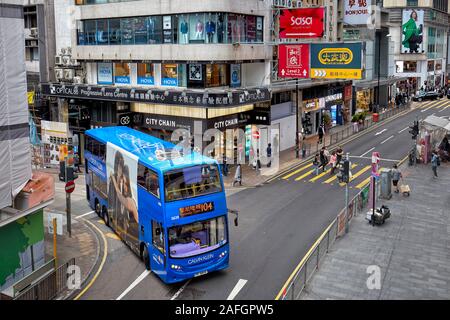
(302, 23)
(336, 60)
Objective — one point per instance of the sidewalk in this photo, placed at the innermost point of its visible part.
(411, 248)
(287, 158)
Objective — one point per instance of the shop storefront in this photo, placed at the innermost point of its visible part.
(364, 99)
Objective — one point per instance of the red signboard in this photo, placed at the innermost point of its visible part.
(70, 186)
(302, 23)
(293, 60)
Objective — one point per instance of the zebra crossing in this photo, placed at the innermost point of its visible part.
(360, 176)
(441, 105)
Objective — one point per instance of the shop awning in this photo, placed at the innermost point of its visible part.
(367, 84)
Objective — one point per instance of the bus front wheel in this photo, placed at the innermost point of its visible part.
(105, 216)
(146, 258)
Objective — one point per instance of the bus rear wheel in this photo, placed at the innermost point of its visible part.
(146, 258)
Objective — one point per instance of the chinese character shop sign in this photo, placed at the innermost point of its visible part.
(336, 61)
(302, 23)
(293, 61)
(358, 12)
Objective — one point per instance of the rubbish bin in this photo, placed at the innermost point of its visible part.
(375, 117)
(386, 183)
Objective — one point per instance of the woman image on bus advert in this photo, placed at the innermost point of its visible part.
(130, 213)
(113, 202)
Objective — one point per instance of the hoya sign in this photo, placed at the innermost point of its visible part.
(302, 23)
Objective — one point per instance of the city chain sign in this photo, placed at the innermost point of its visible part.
(186, 98)
(293, 60)
(302, 23)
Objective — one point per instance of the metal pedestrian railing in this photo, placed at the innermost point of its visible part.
(313, 258)
(49, 287)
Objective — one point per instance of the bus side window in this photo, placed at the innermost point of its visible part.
(148, 179)
(158, 236)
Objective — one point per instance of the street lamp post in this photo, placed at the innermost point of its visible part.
(379, 68)
(297, 140)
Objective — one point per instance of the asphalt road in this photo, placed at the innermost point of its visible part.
(278, 222)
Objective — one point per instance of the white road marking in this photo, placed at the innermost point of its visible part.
(366, 152)
(387, 139)
(83, 215)
(134, 284)
(403, 130)
(180, 290)
(426, 109)
(238, 287)
(370, 158)
(378, 133)
(443, 109)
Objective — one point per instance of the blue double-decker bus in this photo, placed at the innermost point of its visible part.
(168, 207)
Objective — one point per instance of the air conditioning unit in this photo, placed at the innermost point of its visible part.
(59, 74)
(73, 62)
(58, 60)
(34, 32)
(64, 51)
(77, 80)
(69, 50)
(68, 74)
(65, 60)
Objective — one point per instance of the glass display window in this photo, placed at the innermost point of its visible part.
(216, 75)
(101, 36)
(154, 29)
(90, 29)
(236, 28)
(221, 28)
(183, 29)
(80, 33)
(211, 28)
(259, 29)
(251, 28)
(114, 31)
(197, 28)
(146, 74)
(168, 30)
(127, 30)
(122, 73)
(182, 75)
(169, 74)
(141, 30)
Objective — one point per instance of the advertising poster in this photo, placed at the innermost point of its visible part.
(104, 73)
(412, 31)
(121, 170)
(293, 61)
(55, 138)
(336, 60)
(302, 23)
(358, 12)
(235, 71)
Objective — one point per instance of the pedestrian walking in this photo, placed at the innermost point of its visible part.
(333, 161)
(316, 164)
(323, 158)
(339, 154)
(224, 165)
(435, 162)
(396, 175)
(321, 132)
(269, 155)
(238, 175)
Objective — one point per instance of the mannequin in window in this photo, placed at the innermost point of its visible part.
(220, 30)
(184, 28)
(210, 30)
(199, 30)
(151, 30)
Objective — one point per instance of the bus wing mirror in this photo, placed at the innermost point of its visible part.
(236, 219)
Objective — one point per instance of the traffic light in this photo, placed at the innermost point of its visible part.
(414, 130)
(346, 171)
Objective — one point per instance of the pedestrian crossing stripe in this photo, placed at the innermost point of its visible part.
(443, 105)
(356, 175)
(364, 183)
(431, 105)
(425, 104)
(335, 176)
(444, 108)
(304, 175)
(296, 171)
(320, 175)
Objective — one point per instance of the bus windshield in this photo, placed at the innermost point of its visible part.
(197, 238)
(192, 182)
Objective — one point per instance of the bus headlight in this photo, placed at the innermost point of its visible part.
(174, 266)
(222, 254)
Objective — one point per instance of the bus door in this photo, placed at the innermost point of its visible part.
(157, 249)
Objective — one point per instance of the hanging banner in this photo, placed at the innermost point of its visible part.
(336, 60)
(104, 73)
(235, 72)
(302, 23)
(412, 31)
(358, 12)
(293, 61)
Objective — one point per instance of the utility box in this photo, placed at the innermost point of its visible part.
(386, 183)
